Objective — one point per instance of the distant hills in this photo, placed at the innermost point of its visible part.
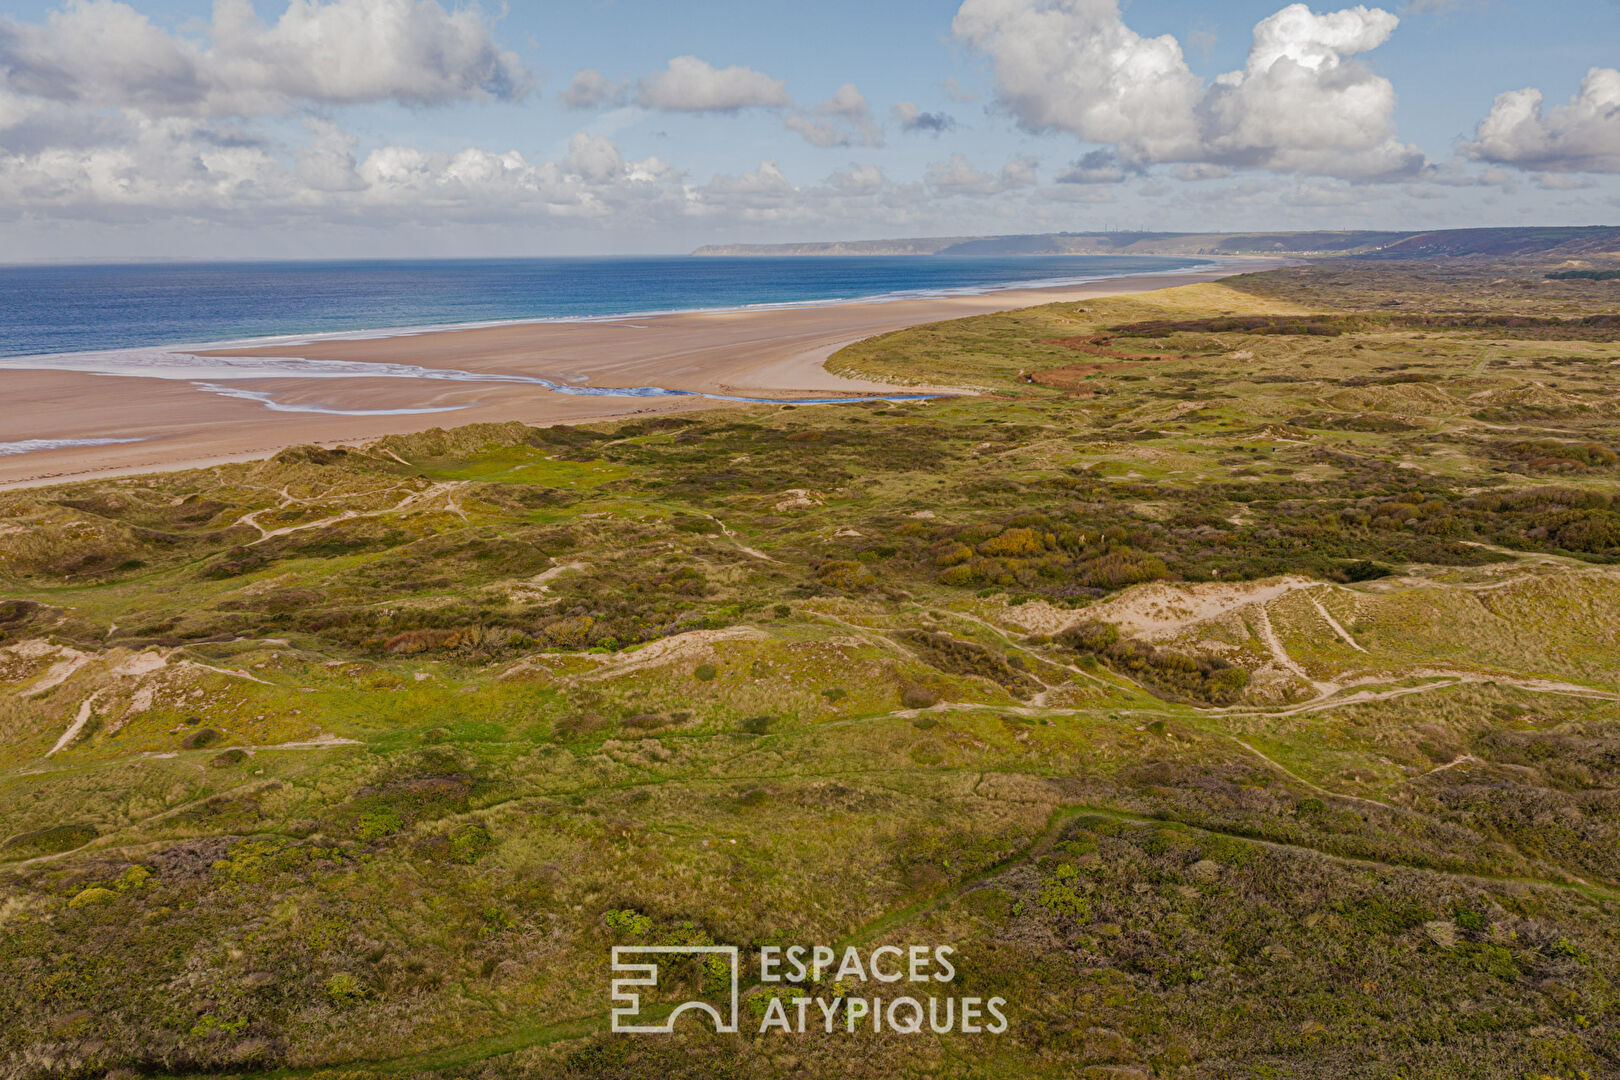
(1571, 242)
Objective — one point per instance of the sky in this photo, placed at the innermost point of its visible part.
(404, 128)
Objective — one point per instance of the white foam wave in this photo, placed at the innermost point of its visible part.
(29, 446)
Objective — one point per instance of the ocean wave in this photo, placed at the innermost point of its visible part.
(29, 446)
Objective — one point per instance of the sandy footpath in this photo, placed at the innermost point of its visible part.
(777, 353)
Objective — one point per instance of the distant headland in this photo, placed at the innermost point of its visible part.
(1571, 241)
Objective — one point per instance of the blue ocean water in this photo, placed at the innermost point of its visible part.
(64, 309)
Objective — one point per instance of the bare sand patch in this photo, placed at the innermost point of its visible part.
(669, 650)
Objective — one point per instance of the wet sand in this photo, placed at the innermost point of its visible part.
(776, 353)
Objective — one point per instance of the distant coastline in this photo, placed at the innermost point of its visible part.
(1595, 240)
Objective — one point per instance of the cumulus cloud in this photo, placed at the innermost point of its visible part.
(185, 168)
(858, 179)
(957, 176)
(1581, 136)
(590, 89)
(823, 133)
(766, 182)
(845, 119)
(692, 85)
(327, 161)
(911, 117)
(1301, 102)
(1074, 65)
(847, 103)
(105, 53)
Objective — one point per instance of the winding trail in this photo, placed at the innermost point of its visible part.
(1327, 617)
(731, 535)
(79, 720)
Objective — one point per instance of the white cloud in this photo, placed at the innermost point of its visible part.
(858, 179)
(327, 162)
(845, 119)
(134, 169)
(180, 168)
(167, 162)
(1581, 136)
(767, 182)
(957, 176)
(105, 53)
(692, 85)
(592, 181)
(590, 89)
(817, 132)
(847, 103)
(1299, 104)
(1073, 65)
(594, 157)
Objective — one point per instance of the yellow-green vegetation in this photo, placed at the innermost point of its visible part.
(1233, 680)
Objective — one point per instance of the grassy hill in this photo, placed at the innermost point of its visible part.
(1232, 679)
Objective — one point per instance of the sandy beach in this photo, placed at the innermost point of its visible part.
(774, 353)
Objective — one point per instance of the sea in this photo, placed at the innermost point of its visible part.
(81, 308)
(152, 319)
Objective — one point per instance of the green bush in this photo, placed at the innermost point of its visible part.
(627, 921)
(1061, 899)
(378, 822)
(469, 843)
(95, 894)
(344, 990)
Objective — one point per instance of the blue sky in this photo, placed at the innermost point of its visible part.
(428, 127)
